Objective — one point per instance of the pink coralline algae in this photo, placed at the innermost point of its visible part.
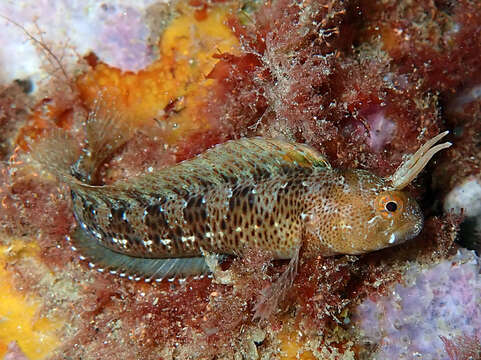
(441, 302)
(14, 352)
(380, 128)
(122, 37)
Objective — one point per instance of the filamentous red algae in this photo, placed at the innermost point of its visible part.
(326, 73)
(358, 82)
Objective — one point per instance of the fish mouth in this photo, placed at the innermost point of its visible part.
(406, 233)
(414, 222)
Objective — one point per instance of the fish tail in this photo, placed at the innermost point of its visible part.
(56, 153)
(62, 155)
(106, 131)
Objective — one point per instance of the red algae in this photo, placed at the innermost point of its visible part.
(441, 52)
(464, 159)
(230, 308)
(13, 114)
(30, 204)
(147, 316)
(247, 102)
(319, 291)
(462, 347)
(193, 315)
(38, 211)
(141, 154)
(305, 83)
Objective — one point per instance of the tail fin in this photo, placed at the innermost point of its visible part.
(57, 152)
(106, 131)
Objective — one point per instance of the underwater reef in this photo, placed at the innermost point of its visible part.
(364, 83)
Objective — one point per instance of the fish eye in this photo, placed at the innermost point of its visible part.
(391, 206)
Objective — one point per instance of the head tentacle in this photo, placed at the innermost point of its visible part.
(410, 169)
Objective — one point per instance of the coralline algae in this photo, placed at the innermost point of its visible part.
(121, 34)
(441, 301)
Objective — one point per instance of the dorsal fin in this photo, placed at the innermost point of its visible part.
(237, 160)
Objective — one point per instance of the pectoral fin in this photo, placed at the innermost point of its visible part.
(270, 297)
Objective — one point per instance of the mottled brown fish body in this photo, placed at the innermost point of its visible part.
(333, 210)
(243, 194)
(228, 218)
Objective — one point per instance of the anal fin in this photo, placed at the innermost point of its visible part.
(135, 268)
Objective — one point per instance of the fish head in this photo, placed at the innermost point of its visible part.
(397, 217)
(361, 214)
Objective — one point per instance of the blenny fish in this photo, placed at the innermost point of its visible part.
(249, 193)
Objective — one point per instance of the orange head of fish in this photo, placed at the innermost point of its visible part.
(359, 214)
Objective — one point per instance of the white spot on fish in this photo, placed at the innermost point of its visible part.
(372, 219)
(392, 238)
(147, 242)
(166, 242)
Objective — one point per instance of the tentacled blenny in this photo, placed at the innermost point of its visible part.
(248, 193)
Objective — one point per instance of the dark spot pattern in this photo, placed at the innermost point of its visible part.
(195, 210)
(155, 218)
(241, 194)
(243, 197)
